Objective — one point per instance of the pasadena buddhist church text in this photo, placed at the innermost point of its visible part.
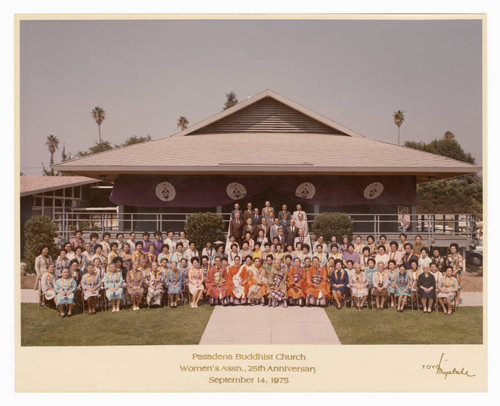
(249, 357)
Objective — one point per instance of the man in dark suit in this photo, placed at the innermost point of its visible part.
(256, 217)
(248, 212)
(236, 227)
(291, 232)
(285, 221)
(249, 228)
(264, 227)
(236, 210)
(284, 211)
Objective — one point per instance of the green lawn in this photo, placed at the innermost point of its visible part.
(410, 327)
(162, 326)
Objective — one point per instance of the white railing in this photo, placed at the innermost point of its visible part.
(430, 226)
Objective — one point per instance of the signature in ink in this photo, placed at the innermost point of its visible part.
(442, 369)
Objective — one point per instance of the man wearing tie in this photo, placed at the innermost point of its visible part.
(271, 219)
(291, 232)
(267, 210)
(281, 237)
(274, 229)
(264, 227)
(299, 211)
(302, 225)
(285, 221)
(249, 228)
(284, 211)
(302, 239)
(256, 218)
(248, 212)
(236, 227)
(236, 210)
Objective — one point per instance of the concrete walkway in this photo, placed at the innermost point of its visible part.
(29, 296)
(265, 325)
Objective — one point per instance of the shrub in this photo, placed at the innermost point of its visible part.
(203, 227)
(329, 224)
(39, 231)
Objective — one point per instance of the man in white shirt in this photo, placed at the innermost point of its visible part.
(302, 239)
(170, 241)
(320, 242)
(296, 213)
(131, 242)
(273, 232)
(209, 251)
(302, 225)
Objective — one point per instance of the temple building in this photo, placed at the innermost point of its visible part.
(265, 148)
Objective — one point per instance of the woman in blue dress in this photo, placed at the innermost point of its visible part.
(65, 289)
(402, 286)
(174, 283)
(391, 273)
(339, 281)
(113, 283)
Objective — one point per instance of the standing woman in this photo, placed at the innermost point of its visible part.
(447, 288)
(101, 256)
(426, 284)
(65, 289)
(195, 275)
(126, 259)
(339, 281)
(391, 273)
(155, 283)
(61, 262)
(91, 284)
(135, 282)
(48, 283)
(138, 254)
(174, 283)
(402, 287)
(113, 282)
(42, 263)
(113, 253)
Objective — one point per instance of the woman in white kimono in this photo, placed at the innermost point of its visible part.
(48, 284)
(91, 284)
(359, 286)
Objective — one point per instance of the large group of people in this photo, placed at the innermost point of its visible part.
(268, 260)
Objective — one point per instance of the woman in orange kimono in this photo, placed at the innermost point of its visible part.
(257, 283)
(297, 279)
(237, 284)
(216, 284)
(318, 291)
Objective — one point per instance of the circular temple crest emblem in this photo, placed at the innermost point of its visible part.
(305, 190)
(236, 191)
(165, 191)
(373, 190)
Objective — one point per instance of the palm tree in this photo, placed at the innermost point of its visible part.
(231, 100)
(182, 123)
(399, 117)
(99, 115)
(448, 135)
(52, 144)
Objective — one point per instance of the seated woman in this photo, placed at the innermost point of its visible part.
(91, 284)
(359, 286)
(216, 283)
(195, 276)
(257, 283)
(402, 288)
(48, 283)
(318, 291)
(426, 285)
(339, 281)
(380, 281)
(276, 284)
(65, 289)
(297, 279)
(135, 285)
(391, 273)
(413, 275)
(113, 283)
(174, 283)
(237, 283)
(447, 290)
(155, 284)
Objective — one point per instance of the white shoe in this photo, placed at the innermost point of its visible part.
(114, 310)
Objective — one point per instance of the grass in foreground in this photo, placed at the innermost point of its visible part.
(410, 327)
(162, 326)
